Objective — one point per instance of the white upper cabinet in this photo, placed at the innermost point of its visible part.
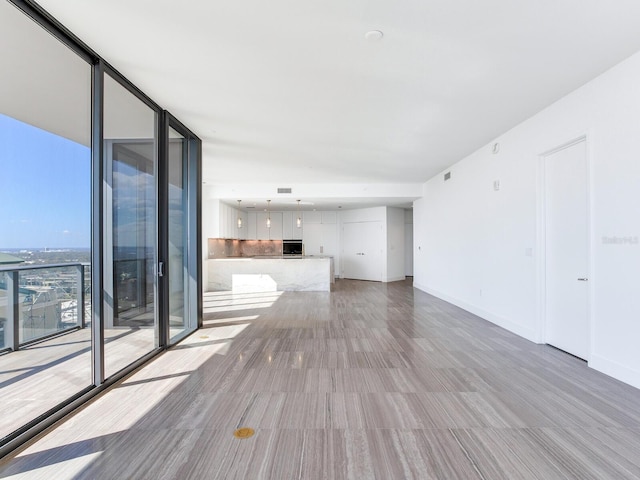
(283, 224)
(290, 230)
(242, 232)
(287, 225)
(228, 222)
(262, 232)
(252, 232)
(311, 217)
(273, 233)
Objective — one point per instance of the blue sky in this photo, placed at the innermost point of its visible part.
(45, 189)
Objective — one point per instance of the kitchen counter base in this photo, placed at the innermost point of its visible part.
(266, 274)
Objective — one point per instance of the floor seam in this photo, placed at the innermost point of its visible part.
(467, 454)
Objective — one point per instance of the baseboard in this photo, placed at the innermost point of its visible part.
(395, 279)
(597, 362)
(615, 370)
(525, 332)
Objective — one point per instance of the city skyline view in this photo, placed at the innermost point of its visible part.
(45, 189)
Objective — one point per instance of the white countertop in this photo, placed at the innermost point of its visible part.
(276, 257)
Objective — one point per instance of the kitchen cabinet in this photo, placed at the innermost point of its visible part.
(228, 222)
(273, 233)
(320, 235)
(242, 232)
(311, 217)
(320, 239)
(290, 230)
(252, 232)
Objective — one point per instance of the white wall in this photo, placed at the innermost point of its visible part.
(408, 242)
(472, 242)
(395, 244)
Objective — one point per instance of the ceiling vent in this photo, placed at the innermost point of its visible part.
(284, 190)
(447, 176)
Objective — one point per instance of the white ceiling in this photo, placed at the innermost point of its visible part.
(290, 90)
(42, 100)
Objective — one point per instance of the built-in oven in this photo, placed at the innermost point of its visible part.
(292, 247)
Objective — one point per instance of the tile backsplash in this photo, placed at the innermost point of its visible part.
(224, 248)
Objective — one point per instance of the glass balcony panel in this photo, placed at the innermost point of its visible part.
(4, 313)
(52, 361)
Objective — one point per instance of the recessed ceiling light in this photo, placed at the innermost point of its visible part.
(373, 35)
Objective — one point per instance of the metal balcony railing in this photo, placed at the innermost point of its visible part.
(41, 301)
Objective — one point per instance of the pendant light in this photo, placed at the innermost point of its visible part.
(268, 215)
(239, 215)
(299, 219)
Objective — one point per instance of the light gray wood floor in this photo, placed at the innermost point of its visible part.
(35, 379)
(370, 381)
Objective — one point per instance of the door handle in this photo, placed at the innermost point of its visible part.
(583, 279)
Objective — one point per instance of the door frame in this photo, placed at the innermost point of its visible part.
(192, 185)
(541, 224)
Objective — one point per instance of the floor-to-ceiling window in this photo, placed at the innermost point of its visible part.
(130, 154)
(181, 248)
(81, 147)
(45, 221)
(177, 232)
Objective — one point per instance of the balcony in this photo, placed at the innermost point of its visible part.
(45, 346)
(39, 302)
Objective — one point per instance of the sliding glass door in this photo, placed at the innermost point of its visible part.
(131, 203)
(178, 223)
(177, 196)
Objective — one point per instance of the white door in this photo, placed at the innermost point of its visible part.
(362, 251)
(567, 248)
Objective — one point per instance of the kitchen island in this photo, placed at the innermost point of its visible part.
(271, 273)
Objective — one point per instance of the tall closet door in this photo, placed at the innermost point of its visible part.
(566, 250)
(362, 251)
